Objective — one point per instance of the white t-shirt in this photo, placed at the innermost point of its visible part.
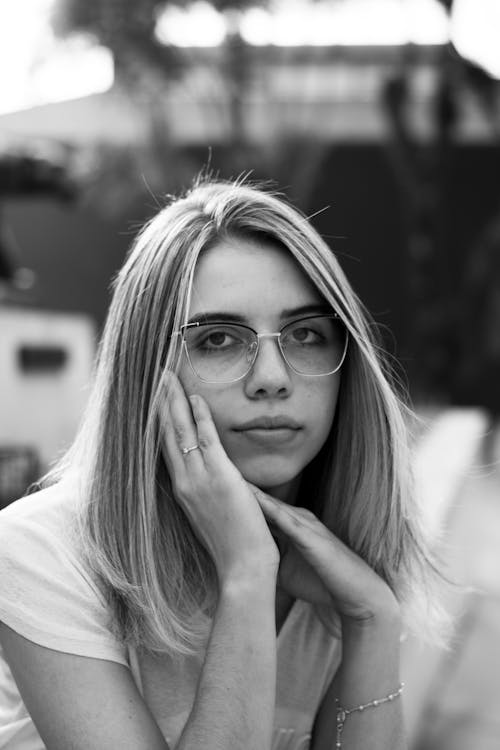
(48, 596)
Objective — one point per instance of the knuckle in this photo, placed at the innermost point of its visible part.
(178, 432)
(306, 514)
(204, 441)
(257, 493)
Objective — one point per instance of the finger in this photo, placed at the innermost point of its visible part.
(173, 391)
(312, 540)
(184, 427)
(208, 437)
(175, 422)
(297, 523)
(171, 451)
(168, 381)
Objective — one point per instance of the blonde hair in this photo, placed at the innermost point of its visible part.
(158, 578)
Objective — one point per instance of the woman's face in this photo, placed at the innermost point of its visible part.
(262, 286)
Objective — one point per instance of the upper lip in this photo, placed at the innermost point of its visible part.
(269, 423)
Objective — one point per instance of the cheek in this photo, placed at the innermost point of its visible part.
(320, 406)
(220, 400)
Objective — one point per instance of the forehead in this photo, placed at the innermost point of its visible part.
(250, 278)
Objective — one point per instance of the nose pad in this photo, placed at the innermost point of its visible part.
(251, 349)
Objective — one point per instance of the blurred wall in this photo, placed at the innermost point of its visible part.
(45, 367)
(73, 249)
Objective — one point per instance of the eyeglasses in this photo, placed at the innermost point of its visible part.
(225, 352)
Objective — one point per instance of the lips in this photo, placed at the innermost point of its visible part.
(269, 423)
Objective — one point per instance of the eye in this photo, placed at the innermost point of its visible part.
(218, 339)
(304, 335)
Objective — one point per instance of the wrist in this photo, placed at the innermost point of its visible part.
(252, 582)
(370, 660)
(383, 625)
(382, 614)
(247, 602)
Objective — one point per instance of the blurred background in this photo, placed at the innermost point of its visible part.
(380, 119)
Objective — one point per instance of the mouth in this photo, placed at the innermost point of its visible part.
(269, 431)
(269, 424)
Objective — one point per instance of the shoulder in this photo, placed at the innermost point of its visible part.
(37, 529)
(38, 536)
(47, 594)
(48, 511)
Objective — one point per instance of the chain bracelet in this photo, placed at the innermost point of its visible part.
(343, 713)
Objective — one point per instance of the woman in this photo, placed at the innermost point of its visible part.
(223, 557)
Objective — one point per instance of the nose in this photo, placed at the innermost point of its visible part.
(270, 376)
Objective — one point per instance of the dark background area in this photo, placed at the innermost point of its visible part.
(74, 249)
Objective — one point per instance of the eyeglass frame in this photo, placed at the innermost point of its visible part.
(259, 336)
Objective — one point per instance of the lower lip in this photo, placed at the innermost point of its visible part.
(270, 437)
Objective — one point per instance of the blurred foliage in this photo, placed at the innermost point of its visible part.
(127, 28)
(146, 70)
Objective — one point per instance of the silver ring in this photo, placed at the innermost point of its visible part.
(188, 450)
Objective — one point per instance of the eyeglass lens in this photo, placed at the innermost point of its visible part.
(222, 352)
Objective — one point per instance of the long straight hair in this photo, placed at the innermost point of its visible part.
(159, 580)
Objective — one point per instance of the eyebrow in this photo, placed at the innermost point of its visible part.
(224, 316)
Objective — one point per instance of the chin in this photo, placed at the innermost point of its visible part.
(269, 472)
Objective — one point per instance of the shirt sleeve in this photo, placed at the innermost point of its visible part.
(47, 596)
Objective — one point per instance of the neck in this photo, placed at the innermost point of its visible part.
(287, 492)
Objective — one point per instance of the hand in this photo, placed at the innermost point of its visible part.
(317, 567)
(216, 499)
